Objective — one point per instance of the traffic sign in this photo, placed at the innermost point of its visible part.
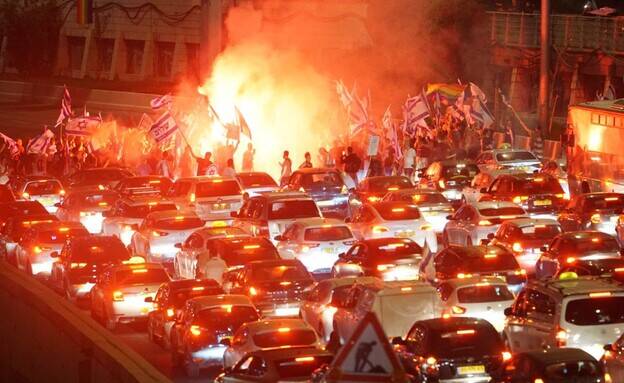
(367, 356)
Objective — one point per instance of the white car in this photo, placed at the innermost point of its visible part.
(48, 191)
(316, 242)
(477, 297)
(432, 204)
(254, 183)
(393, 219)
(211, 198)
(516, 159)
(267, 334)
(472, 223)
(159, 232)
(317, 307)
(125, 293)
(128, 213)
(87, 207)
(32, 254)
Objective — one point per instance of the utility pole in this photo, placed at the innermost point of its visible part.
(544, 79)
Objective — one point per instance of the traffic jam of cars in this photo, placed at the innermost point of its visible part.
(471, 274)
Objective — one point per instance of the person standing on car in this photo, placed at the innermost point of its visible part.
(210, 266)
(352, 164)
(307, 162)
(286, 166)
(203, 164)
(409, 159)
(248, 158)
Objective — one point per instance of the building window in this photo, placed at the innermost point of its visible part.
(75, 46)
(603, 119)
(134, 56)
(610, 121)
(105, 54)
(164, 59)
(192, 59)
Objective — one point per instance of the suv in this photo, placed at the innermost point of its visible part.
(326, 187)
(449, 177)
(583, 312)
(269, 214)
(212, 198)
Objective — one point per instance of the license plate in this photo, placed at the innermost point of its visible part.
(403, 234)
(287, 311)
(329, 250)
(542, 202)
(221, 206)
(465, 370)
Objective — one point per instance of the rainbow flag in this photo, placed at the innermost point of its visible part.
(448, 91)
(84, 11)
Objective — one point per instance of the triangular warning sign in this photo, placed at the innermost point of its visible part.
(367, 356)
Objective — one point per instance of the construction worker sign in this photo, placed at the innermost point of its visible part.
(367, 356)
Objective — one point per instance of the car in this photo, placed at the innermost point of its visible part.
(152, 186)
(156, 237)
(568, 248)
(267, 334)
(198, 337)
(280, 364)
(46, 190)
(516, 159)
(432, 204)
(373, 189)
(526, 237)
(125, 293)
(87, 207)
(554, 365)
(317, 307)
(255, 183)
(236, 252)
(583, 312)
(211, 198)
(604, 266)
(81, 261)
(472, 223)
(472, 193)
(390, 259)
(275, 286)
(96, 178)
(6, 194)
(32, 254)
(477, 297)
(473, 261)
(185, 261)
(170, 300)
(397, 305)
(449, 177)
(20, 208)
(393, 219)
(326, 187)
(540, 195)
(452, 349)
(316, 242)
(127, 214)
(269, 214)
(593, 211)
(14, 229)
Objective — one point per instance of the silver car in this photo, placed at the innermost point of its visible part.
(517, 159)
(48, 191)
(211, 198)
(432, 204)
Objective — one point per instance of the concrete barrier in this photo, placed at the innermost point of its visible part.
(44, 338)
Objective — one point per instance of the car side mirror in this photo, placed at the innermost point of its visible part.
(609, 347)
(58, 204)
(107, 214)
(490, 236)
(234, 214)
(342, 255)
(226, 342)
(508, 311)
(348, 220)
(149, 299)
(279, 238)
(544, 249)
(54, 254)
(483, 190)
(398, 341)
(134, 227)
(178, 245)
(449, 217)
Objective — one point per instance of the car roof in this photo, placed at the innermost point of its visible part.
(281, 195)
(221, 299)
(415, 190)
(524, 222)
(272, 324)
(555, 355)
(506, 150)
(452, 323)
(317, 221)
(383, 288)
(462, 282)
(137, 200)
(166, 214)
(242, 174)
(493, 204)
(81, 193)
(392, 204)
(288, 352)
(454, 161)
(384, 241)
(579, 286)
(38, 178)
(92, 238)
(601, 194)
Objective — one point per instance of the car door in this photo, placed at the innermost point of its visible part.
(158, 315)
(290, 241)
(515, 332)
(465, 226)
(310, 305)
(539, 326)
(548, 264)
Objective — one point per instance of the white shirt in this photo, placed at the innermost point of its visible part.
(408, 159)
(211, 268)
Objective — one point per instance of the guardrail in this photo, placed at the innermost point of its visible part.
(44, 338)
(582, 33)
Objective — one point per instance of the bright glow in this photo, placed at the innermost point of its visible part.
(179, 218)
(63, 229)
(152, 203)
(519, 199)
(538, 380)
(37, 250)
(619, 270)
(406, 288)
(520, 272)
(595, 239)
(118, 296)
(380, 229)
(482, 284)
(192, 197)
(251, 247)
(285, 283)
(102, 204)
(383, 267)
(458, 310)
(570, 260)
(441, 184)
(195, 330)
(393, 188)
(154, 182)
(600, 295)
(253, 291)
(517, 247)
(139, 271)
(305, 359)
(398, 210)
(506, 356)
(25, 195)
(595, 218)
(373, 199)
(490, 255)
(465, 332)
(170, 312)
(431, 361)
(611, 199)
(425, 227)
(463, 275)
(198, 288)
(485, 222)
(227, 308)
(283, 329)
(78, 265)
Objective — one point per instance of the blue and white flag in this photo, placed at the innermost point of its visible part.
(40, 144)
(161, 101)
(390, 133)
(480, 113)
(163, 128)
(415, 111)
(82, 126)
(66, 108)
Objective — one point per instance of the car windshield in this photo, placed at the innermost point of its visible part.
(99, 250)
(459, 170)
(180, 296)
(291, 209)
(226, 317)
(604, 202)
(572, 370)
(327, 233)
(237, 252)
(43, 187)
(257, 180)
(482, 259)
(503, 210)
(217, 188)
(393, 251)
(60, 235)
(465, 342)
(141, 211)
(385, 184)
(288, 272)
(589, 243)
(141, 276)
(393, 212)
(537, 232)
(515, 156)
(601, 310)
(301, 367)
(100, 200)
(285, 337)
(318, 181)
(484, 292)
(537, 185)
(178, 223)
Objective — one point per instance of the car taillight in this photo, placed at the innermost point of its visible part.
(595, 218)
(118, 296)
(520, 272)
(170, 312)
(25, 195)
(373, 199)
(62, 192)
(383, 267)
(464, 275)
(506, 356)
(195, 330)
(519, 199)
(305, 248)
(192, 198)
(431, 365)
(458, 310)
(37, 250)
(253, 291)
(561, 337)
(380, 229)
(517, 247)
(157, 233)
(78, 265)
(441, 184)
(485, 222)
(344, 190)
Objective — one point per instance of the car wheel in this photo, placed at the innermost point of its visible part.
(111, 323)
(191, 368)
(150, 332)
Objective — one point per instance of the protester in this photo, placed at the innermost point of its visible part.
(210, 266)
(203, 164)
(409, 159)
(286, 166)
(537, 143)
(144, 169)
(229, 171)
(248, 158)
(164, 166)
(388, 164)
(352, 164)
(307, 162)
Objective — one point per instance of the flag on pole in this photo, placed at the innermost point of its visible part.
(357, 109)
(40, 143)
(11, 145)
(480, 113)
(66, 108)
(161, 101)
(390, 131)
(163, 128)
(415, 111)
(145, 123)
(343, 94)
(242, 123)
(82, 126)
